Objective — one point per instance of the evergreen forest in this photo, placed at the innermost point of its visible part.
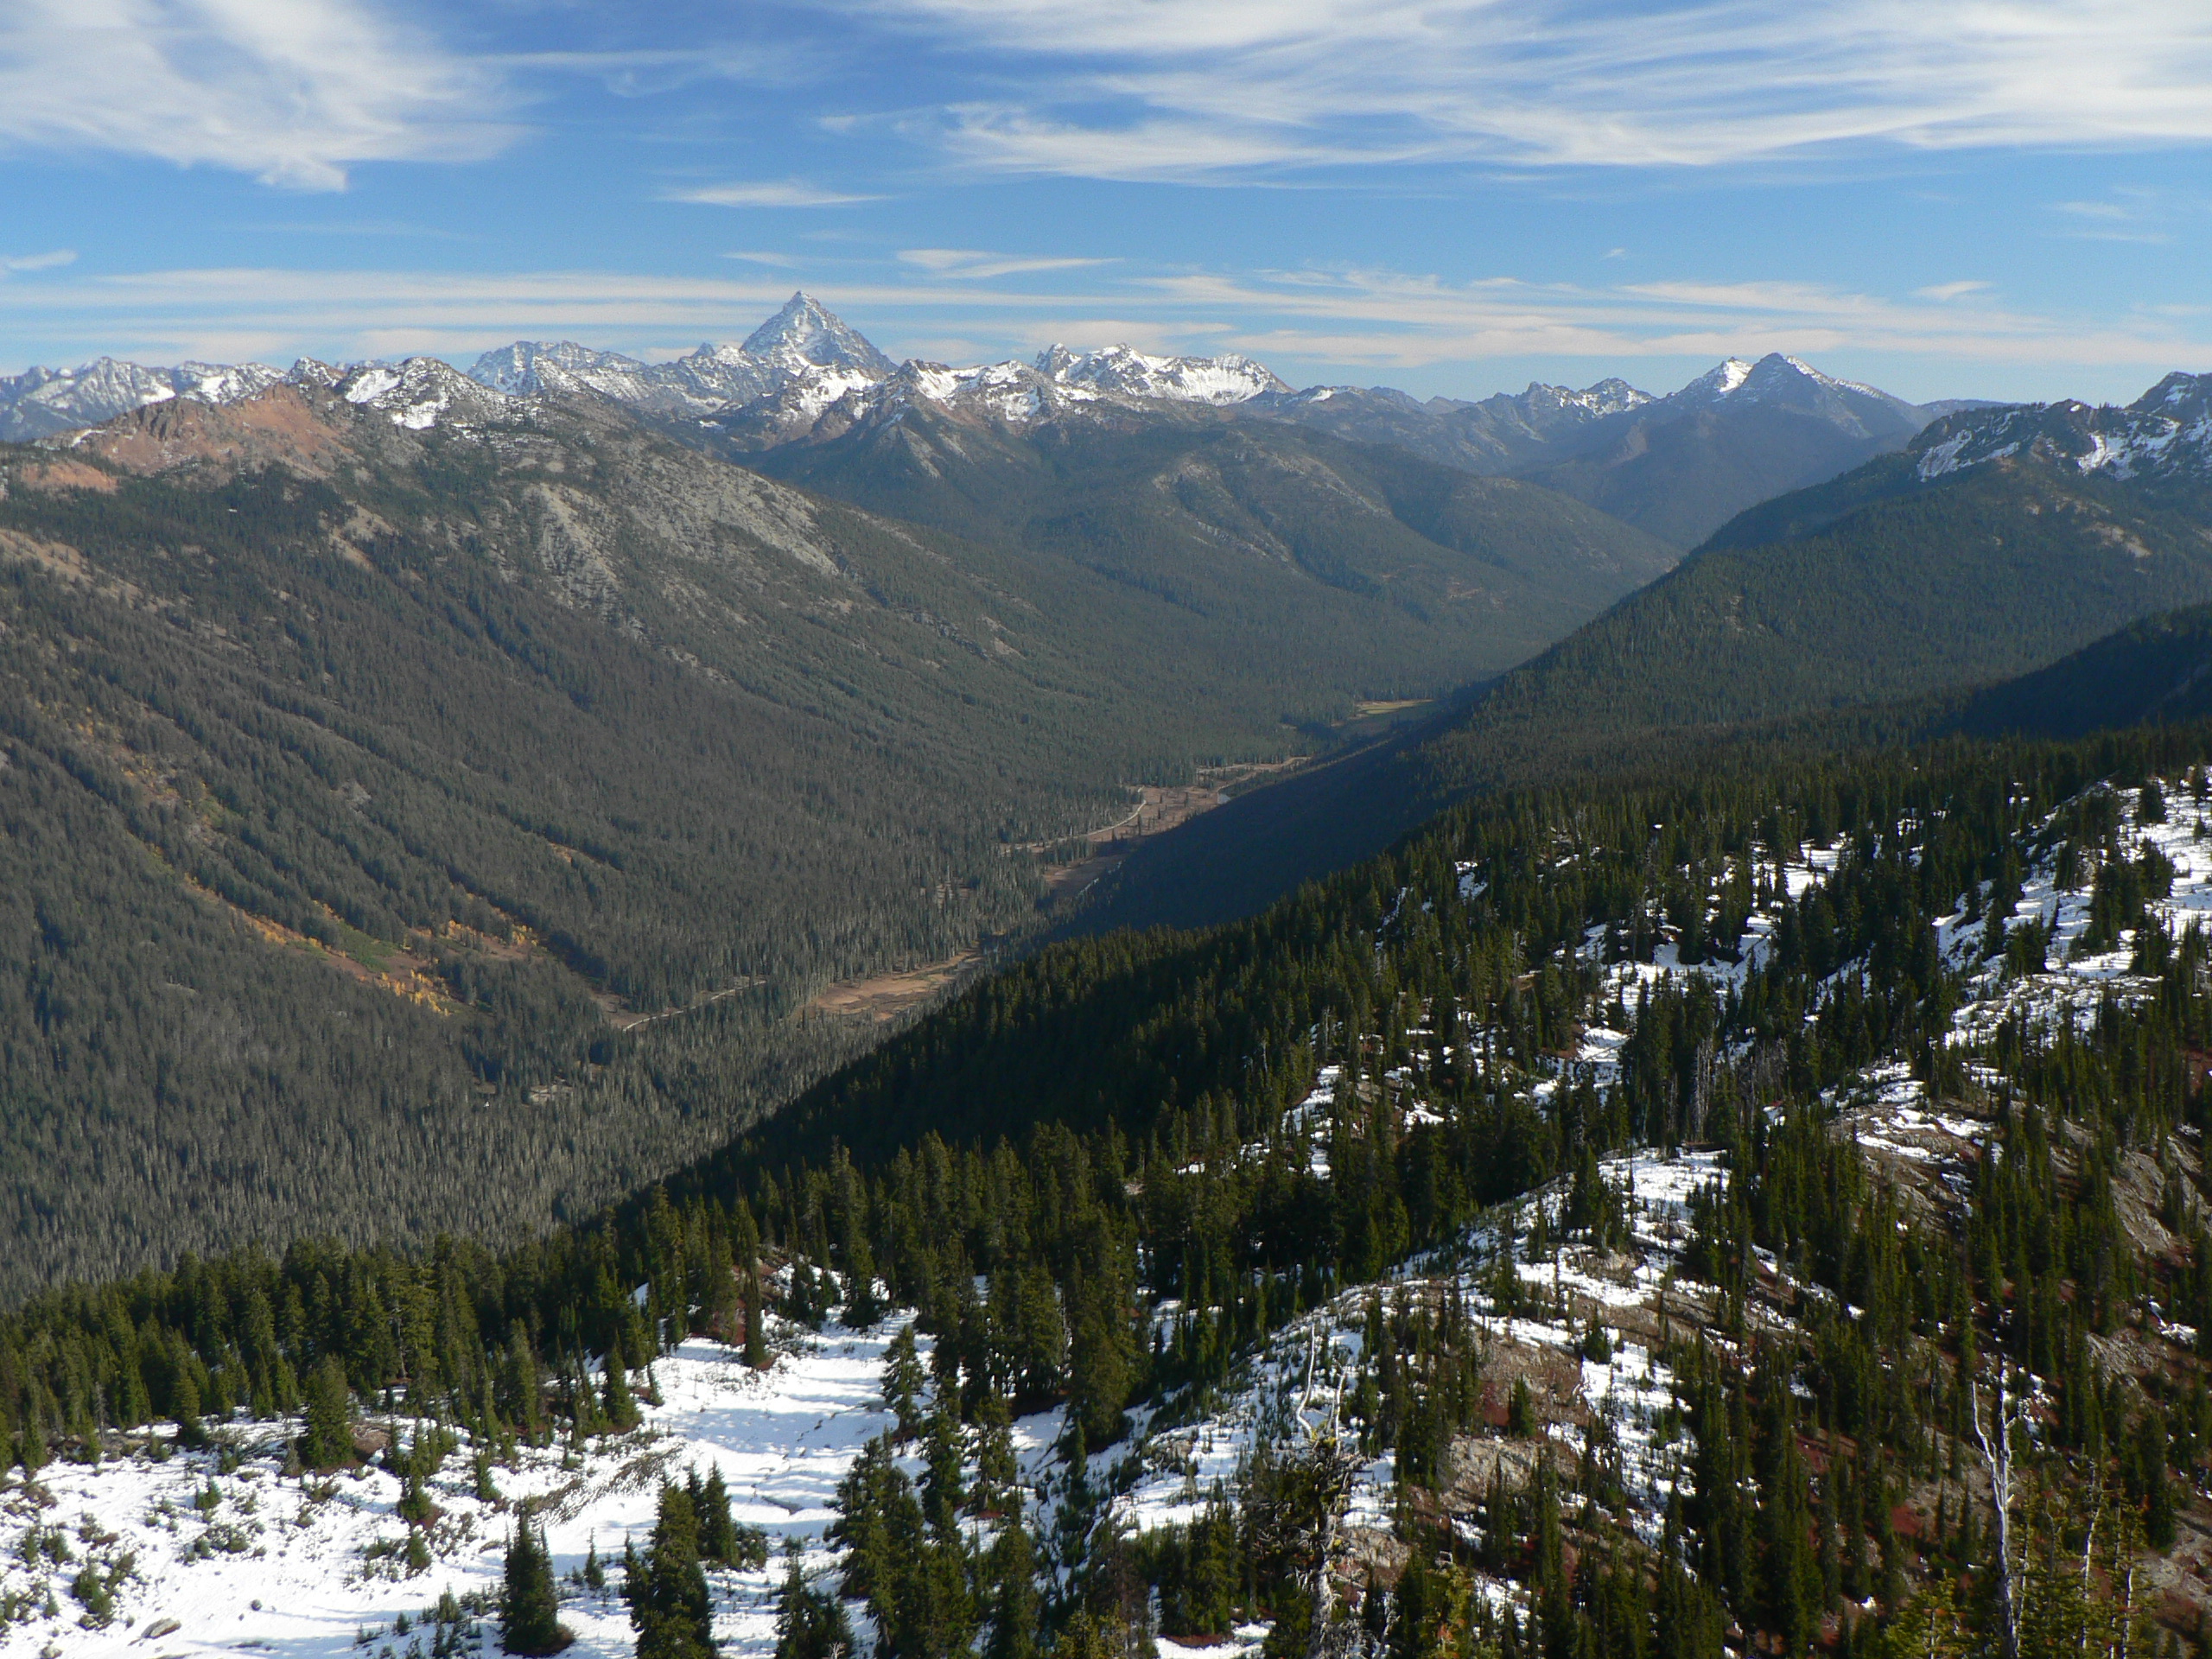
(451, 829)
(1890, 1401)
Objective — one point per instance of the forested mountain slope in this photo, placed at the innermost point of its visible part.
(2158, 670)
(1908, 578)
(374, 744)
(1764, 1211)
(1683, 465)
(1214, 516)
(1678, 467)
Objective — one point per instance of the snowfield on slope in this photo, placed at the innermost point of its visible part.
(276, 1566)
(1294, 1388)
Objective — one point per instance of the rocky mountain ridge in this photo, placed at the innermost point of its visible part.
(804, 361)
(2164, 434)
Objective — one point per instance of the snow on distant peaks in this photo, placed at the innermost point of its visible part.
(40, 402)
(1722, 380)
(1608, 396)
(1218, 380)
(804, 335)
(2165, 433)
(1777, 373)
(420, 392)
(531, 366)
(1778, 381)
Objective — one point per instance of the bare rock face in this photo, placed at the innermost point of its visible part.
(279, 424)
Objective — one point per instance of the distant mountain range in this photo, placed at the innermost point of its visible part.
(1873, 604)
(408, 745)
(1677, 466)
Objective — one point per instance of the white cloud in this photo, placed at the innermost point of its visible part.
(293, 91)
(59, 257)
(2129, 215)
(763, 192)
(1949, 290)
(1179, 89)
(975, 264)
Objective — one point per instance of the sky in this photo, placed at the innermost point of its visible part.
(1985, 198)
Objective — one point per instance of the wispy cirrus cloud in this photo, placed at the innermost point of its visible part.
(2126, 215)
(1378, 322)
(1188, 89)
(976, 265)
(293, 91)
(763, 192)
(51, 260)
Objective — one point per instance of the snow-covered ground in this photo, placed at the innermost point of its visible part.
(304, 1570)
(2077, 983)
(1296, 1387)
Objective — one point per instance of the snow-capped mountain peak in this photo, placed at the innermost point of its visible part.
(1778, 381)
(1724, 380)
(529, 366)
(2166, 433)
(1607, 396)
(421, 391)
(1230, 378)
(805, 334)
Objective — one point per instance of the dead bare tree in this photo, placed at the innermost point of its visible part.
(1997, 1459)
(1298, 1500)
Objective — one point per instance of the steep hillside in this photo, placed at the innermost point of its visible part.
(382, 749)
(2158, 670)
(1763, 1213)
(1915, 575)
(1249, 524)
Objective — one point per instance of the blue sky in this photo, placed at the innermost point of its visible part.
(1997, 198)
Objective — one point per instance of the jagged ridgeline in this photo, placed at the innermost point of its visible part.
(1753, 1213)
(375, 754)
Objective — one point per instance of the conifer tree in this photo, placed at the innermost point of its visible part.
(904, 1380)
(1011, 1572)
(1099, 1360)
(329, 1440)
(756, 1326)
(2157, 1488)
(530, 1618)
(810, 1624)
(997, 1471)
(717, 1532)
(667, 1589)
(621, 1411)
(942, 1454)
(185, 1400)
(862, 1311)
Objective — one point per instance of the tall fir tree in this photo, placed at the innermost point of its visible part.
(810, 1624)
(328, 1441)
(530, 1621)
(667, 1588)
